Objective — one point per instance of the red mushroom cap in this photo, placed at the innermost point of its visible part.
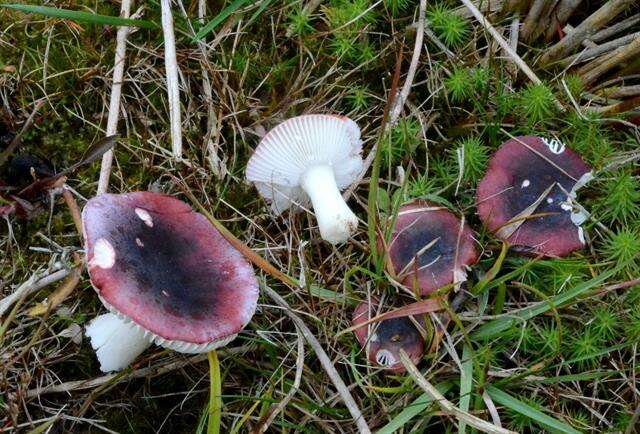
(444, 247)
(519, 174)
(156, 262)
(387, 338)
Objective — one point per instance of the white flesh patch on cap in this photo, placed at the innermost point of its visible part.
(525, 183)
(554, 145)
(139, 242)
(104, 255)
(385, 358)
(144, 216)
(549, 200)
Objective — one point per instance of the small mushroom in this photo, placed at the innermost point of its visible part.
(527, 196)
(310, 158)
(165, 274)
(383, 340)
(429, 247)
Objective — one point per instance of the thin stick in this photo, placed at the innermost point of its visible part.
(502, 42)
(616, 28)
(447, 406)
(561, 14)
(531, 23)
(625, 54)
(33, 284)
(600, 49)
(148, 372)
(171, 70)
(415, 58)
(4, 156)
(215, 400)
(277, 408)
(588, 27)
(116, 92)
(73, 208)
(326, 363)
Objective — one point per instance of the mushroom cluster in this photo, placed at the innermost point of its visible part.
(165, 274)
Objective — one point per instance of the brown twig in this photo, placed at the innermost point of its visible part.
(600, 49)
(623, 55)
(560, 16)
(588, 27)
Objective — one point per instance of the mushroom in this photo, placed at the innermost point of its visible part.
(165, 274)
(429, 247)
(527, 196)
(383, 340)
(310, 158)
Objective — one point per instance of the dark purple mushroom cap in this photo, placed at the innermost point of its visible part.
(159, 264)
(387, 338)
(519, 174)
(431, 244)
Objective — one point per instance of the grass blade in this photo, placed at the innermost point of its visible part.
(223, 15)
(535, 415)
(466, 383)
(81, 17)
(215, 398)
(419, 406)
(503, 323)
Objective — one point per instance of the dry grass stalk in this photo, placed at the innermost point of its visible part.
(620, 92)
(447, 406)
(588, 27)
(621, 56)
(31, 285)
(171, 70)
(616, 28)
(560, 15)
(116, 92)
(601, 49)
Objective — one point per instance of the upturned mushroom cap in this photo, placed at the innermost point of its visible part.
(527, 196)
(162, 266)
(386, 338)
(430, 246)
(295, 145)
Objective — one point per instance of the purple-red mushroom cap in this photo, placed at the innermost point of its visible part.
(383, 340)
(527, 196)
(429, 247)
(165, 269)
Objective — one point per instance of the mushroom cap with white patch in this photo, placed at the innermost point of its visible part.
(527, 196)
(165, 269)
(287, 151)
(383, 340)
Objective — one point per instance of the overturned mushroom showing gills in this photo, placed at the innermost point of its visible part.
(310, 158)
(429, 247)
(527, 196)
(165, 274)
(383, 340)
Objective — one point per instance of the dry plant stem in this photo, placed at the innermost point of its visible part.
(149, 372)
(532, 21)
(623, 55)
(447, 406)
(277, 408)
(620, 92)
(616, 28)
(620, 107)
(73, 208)
(116, 92)
(33, 284)
(4, 156)
(587, 43)
(601, 49)
(588, 27)
(415, 58)
(171, 70)
(501, 41)
(561, 14)
(326, 363)
(514, 30)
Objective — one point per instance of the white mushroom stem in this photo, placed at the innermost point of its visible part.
(117, 343)
(336, 221)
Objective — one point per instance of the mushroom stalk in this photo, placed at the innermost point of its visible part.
(336, 221)
(117, 343)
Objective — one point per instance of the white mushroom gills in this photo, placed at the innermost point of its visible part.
(335, 219)
(117, 343)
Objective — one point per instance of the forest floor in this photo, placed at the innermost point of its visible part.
(540, 344)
